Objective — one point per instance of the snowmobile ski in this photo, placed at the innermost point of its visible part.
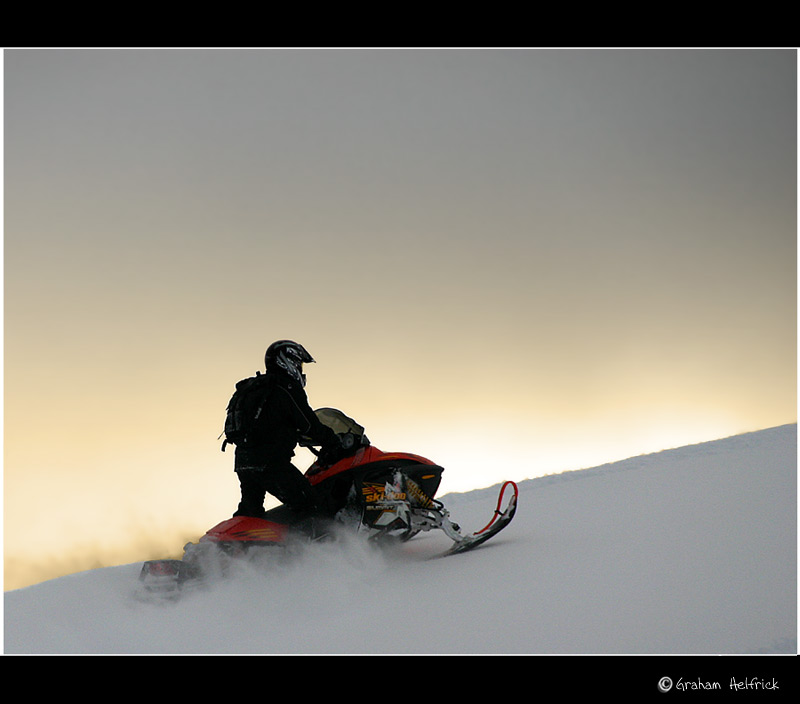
(501, 518)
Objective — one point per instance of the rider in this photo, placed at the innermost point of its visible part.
(263, 464)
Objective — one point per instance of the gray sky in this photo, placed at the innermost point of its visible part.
(513, 261)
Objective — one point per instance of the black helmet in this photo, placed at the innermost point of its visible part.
(289, 357)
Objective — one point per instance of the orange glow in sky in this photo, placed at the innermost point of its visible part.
(514, 262)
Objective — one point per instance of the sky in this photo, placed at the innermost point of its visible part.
(512, 261)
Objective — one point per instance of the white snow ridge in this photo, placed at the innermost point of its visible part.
(687, 551)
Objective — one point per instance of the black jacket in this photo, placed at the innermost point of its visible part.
(286, 418)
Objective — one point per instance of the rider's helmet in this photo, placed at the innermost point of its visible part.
(288, 356)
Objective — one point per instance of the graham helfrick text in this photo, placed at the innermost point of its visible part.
(746, 684)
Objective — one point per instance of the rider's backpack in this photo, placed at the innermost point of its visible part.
(244, 409)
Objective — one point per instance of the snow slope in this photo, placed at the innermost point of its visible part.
(685, 551)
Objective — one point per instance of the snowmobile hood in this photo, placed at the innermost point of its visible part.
(364, 456)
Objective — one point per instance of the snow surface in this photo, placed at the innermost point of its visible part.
(689, 551)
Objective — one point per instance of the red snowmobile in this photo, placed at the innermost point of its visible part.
(388, 496)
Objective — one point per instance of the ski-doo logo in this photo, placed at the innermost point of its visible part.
(380, 492)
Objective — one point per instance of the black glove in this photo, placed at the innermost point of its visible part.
(331, 452)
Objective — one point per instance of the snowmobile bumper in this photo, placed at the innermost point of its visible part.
(161, 580)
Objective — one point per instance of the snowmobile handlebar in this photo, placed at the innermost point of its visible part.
(348, 443)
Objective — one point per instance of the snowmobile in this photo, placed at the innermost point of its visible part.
(387, 496)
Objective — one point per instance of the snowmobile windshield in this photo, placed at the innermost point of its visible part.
(339, 422)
